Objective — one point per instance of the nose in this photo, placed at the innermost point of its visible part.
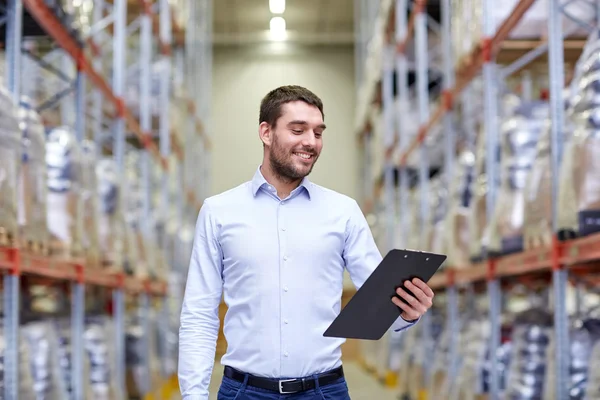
(309, 140)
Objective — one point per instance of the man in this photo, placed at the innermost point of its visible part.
(276, 247)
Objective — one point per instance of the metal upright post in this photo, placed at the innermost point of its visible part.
(491, 137)
(560, 274)
(78, 287)
(145, 65)
(422, 85)
(119, 68)
(14, 19)
(402, 90)
(97, 96)
(387, 90)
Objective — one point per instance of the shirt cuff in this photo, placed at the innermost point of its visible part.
(401, 324)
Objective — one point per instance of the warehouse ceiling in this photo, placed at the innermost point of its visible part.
(307, 21)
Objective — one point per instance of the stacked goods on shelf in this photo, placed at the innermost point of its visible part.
(439, 208)
(584, 335)
(439, 385)
(407, 363)
(100, 356)
(32, 181)
(111, 225)
(63, 163)
(134, 214)
(519, 136)
(415, 227)
(10, 160)
(456, 230)
(581, 170)
(537, 209)
(592, 390)
(531, 334)
(472, 348)
(90, 240)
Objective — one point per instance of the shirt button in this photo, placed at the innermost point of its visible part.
(283, 202)
(283, 229)
(285, 321)
(285, 258)
(285, 288)
(286, 354)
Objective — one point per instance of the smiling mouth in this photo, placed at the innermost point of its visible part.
(304, 156)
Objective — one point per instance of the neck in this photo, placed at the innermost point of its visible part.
(283, 185)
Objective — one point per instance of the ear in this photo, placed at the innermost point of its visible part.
(265, 133)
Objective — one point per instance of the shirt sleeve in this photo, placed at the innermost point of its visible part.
(362, 256)
(199, 325)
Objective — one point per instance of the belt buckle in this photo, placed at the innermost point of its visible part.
(281, 382)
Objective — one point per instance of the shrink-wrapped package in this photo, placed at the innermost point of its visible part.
(90, 240)
(63, 163)
(134, 215)
(528, 368)
(439, 205)
(10, 160)
(580, 178)
(111, 223)
(456, 230)
(406, 387)
(473, 346)
(477, 211)
(99, 355)
(583, 336)
(537, 231)
(32, 180)
(414, 238)
(519, 135)
(42, 360)
(592, 390)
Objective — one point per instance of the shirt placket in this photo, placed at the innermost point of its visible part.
(284, 284)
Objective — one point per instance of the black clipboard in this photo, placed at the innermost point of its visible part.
(370, 312)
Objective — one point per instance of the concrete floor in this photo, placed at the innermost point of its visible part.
(363, 386)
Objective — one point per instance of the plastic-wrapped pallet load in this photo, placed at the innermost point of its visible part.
(473, 344)
(63, 163)
(32, 182)
(530, 338)
(407, 363)
(134, 214)
(10, 159)
(414, 237)
(537, 231)
(581, 170)
(519, 135)
(42, 360)
(584, 335)
(592, 390)
(456, 230)
(111, 226)
(100, 356)
(439, 207)
(90, 240)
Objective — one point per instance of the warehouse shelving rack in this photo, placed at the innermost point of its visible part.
(562, 258)
(184, 51)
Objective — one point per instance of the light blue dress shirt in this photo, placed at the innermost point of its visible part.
(279, 264)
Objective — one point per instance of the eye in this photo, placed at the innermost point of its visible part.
(297, 130)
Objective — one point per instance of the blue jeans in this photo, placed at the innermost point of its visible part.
(233, 390)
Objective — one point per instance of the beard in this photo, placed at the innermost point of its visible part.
(283, 164)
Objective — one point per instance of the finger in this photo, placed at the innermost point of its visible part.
(424, 287)
(410, 313)
(419, 294)
(413, 302)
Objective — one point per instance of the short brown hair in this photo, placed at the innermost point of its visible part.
(270, 106)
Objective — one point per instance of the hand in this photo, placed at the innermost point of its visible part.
(419, 304)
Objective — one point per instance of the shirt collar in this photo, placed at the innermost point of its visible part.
(259, 181)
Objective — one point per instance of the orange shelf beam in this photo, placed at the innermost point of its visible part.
(19, 262)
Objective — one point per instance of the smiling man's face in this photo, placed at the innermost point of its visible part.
(296, 140)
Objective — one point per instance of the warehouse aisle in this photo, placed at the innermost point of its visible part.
(362, 385)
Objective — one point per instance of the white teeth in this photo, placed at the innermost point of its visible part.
(303, 155)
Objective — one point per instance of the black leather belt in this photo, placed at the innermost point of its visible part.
(284, 386)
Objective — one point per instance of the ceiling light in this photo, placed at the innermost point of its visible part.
(277, 26)
(277, 6)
